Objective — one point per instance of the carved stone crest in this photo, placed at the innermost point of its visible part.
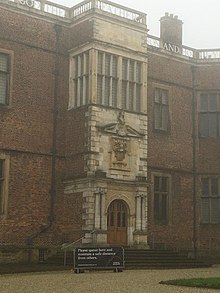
(120, 149)
(121, 137)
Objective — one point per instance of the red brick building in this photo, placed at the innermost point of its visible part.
(106, 133)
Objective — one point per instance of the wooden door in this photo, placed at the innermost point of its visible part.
(117, 223)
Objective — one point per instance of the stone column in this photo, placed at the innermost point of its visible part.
(100, 222)
(100, 217)
(97, 210)
(103, 216)
(143, 214)
(138, 213)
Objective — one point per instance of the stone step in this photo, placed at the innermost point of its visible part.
(140, 258)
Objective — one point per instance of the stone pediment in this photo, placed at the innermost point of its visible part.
(120, 128)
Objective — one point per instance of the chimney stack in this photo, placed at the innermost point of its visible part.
(171, 29)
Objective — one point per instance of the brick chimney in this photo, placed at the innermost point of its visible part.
(171, 29)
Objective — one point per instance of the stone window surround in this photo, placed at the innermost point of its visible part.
(209, 112)
(169, 207)
(93, 59)
(209, 197)
(10, 79)
(168, 89)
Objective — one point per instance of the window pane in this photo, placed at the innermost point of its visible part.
(3, 62)
(87, 63)
(164, 117)
(124, 221)
(81, 90)
(138, 72)
(100, 58)
(75, 67)
(107, 91)
(157, 96)
(164, 184)
(80, 62)
(119, 219)
(205, 210)
(213, 102)
(124, 94)
(213, 124)
(156, 183)
(156, 206)
(99, 89)
(138, 97)
(107, 64)
(1, 168)
(114, 92)
(204, 125)
(131, 96)
(164, 97)
(157, 116)
(124, 69)
(203, 103)
(161, 110)
(215, 212)
(205, 186)
(131, 71)
(114, 66)
(86, 89)
(164, 207)
(214, 186)
(3, 88)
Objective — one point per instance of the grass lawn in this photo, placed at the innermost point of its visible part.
(213, 283)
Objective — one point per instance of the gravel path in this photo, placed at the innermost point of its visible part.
(131, 281)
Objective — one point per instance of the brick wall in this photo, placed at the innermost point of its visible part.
(170, 153)
(40, 76)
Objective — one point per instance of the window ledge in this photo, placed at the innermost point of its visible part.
(210, 224)
(161, 131)
(4, 107)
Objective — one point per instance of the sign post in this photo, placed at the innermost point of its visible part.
(99, 258)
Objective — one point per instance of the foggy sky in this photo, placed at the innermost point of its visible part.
(201, 19)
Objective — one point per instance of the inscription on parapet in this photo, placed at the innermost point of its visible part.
(171, 48)
(29, 3)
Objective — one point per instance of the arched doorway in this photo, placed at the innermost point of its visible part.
(117, 223)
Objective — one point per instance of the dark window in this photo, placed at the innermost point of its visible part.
(210, 201)
(1, 186)
(4, 78)
(81, 79)
(209, 115)
(131, 85)
(161, 109)
(161, 198)
(107, 79)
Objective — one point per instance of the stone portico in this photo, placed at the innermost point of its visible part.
(116, 173)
